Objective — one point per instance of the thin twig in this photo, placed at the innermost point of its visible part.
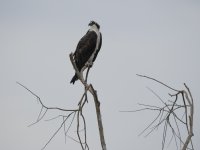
(42, 102)
(158, 82)
(54, 134)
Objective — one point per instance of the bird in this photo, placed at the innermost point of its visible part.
(87, 49)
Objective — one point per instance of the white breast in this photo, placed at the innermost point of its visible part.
(95, 29)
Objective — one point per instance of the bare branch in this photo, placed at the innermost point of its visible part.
(168, 114)
(99, 120)
(190, 116)
(61, 109)
(96, 101)
(157, 81)
(39, 118)
(78, 113)
(54, 134)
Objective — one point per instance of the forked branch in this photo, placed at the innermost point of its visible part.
(73, 113)
(169, 115)
(96, 101)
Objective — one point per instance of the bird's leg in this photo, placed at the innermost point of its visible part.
(89, 64)
(81, 76)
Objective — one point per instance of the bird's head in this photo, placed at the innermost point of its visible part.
(94, 23)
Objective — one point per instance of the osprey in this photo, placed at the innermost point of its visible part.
(87, 49)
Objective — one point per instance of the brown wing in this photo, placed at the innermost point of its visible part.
(85, 48)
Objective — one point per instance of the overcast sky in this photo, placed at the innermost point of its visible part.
(157, 38)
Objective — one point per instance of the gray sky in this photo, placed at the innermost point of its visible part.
(155, 38)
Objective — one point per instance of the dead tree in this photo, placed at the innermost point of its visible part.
(176, 112)
(74, 113)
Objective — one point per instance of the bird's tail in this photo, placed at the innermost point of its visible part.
(74, 79)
